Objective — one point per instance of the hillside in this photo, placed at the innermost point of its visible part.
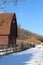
(25, 34)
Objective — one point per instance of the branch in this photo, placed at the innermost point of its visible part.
(3, 2)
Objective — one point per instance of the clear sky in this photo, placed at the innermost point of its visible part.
(29, 14)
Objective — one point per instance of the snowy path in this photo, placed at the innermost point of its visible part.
(33, 56)
(37, 57)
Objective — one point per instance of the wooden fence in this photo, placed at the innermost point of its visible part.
(4, 50)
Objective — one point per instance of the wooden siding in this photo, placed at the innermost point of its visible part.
(3, 40)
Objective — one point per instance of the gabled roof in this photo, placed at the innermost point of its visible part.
(5, 21)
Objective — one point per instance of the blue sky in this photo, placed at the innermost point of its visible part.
(29, 14)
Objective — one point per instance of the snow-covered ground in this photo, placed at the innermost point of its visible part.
(33, 56)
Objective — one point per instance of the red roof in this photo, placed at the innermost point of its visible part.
(5, 21)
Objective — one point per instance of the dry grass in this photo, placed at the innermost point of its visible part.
(28, 41)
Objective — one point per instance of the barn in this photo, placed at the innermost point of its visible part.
(8, 29)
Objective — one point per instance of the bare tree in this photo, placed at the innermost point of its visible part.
(3, 2)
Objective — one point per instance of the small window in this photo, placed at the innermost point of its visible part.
(14, 21)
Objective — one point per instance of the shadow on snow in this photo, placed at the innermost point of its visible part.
(15, 59)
